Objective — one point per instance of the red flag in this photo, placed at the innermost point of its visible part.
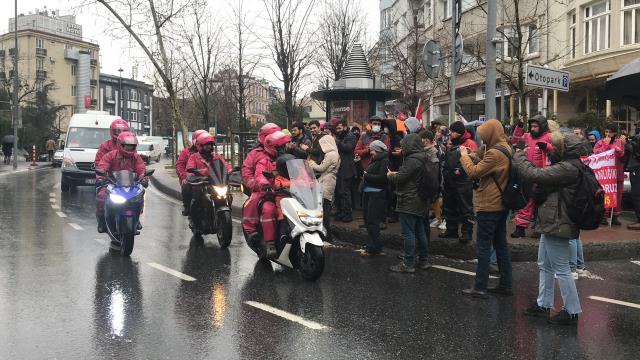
(419, 110)
(402, 116)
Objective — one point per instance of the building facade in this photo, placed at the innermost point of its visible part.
(257, 101)
(130, 99)
(53, 53)
(589, 39)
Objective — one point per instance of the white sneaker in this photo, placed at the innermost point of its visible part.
(434, 223)
(443, 225)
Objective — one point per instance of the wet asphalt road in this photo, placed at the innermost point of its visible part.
(64, 295)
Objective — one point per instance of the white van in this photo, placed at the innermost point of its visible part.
(86, 133)
(149, 151)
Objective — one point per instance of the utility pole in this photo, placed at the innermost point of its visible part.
(490, 82)
(16, 87)
(452, 79)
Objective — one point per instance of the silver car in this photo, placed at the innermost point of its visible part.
(57, 158)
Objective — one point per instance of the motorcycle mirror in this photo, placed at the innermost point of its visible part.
(101, 172)
(149, 172)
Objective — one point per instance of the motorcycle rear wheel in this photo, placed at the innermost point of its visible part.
(225, 229)
(312, 262)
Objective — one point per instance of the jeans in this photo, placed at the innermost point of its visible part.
(493, 259)
(375, 206)
(577, 256)
(412, 227)
(492, 230)
(554, 255)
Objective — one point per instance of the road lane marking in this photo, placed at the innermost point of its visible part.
(613, 301)
(172, 272)
(61, 214)
(55, 207)
(470, 273)
(52, 200)
(286, 315)
(156, 192)
(76, 226)
(103, 241)
(52, 194)
(635, 262)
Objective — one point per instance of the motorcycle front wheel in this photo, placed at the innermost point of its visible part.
(312, 262)
(225, 229)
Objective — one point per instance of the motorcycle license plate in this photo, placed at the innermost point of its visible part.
(90, 181)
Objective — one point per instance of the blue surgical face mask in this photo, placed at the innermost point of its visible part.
(375, 128)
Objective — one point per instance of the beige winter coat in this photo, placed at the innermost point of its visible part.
(328, 168)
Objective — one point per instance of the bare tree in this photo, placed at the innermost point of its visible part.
(157, 39)
(290, 47)
(340, 27)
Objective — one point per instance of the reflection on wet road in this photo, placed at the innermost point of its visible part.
(63, 294)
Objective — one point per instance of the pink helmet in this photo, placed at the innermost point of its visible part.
(118, 126)
(205, 138)
(195, 135)
(127, 138)
(266, 130)
(275, 140)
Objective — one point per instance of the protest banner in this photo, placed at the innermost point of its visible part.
(604, 166)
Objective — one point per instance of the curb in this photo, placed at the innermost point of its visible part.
(611, 250)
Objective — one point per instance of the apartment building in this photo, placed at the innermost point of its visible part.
(257, 101)
(53, 53)
(130, 99)
(590, 39)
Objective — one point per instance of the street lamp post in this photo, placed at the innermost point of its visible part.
(16, 106)
(121, 98)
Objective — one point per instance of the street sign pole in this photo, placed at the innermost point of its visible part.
(490, 82)
(452, 79)
(16, 106)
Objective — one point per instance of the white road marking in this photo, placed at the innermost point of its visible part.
(237, 221)
(172, 272)
(61, 214)
(612, 301)
(156, 192)
(76, 226)
(52, 194)
(103, 241)
(52, 200)
(55, 207)
(635, 262)
(286, 315)
(447, 268)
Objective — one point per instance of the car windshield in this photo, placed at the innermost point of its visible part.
(144, 147)
(304, 186)
(88, 138)
(124, 178)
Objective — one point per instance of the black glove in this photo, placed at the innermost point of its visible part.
(144, 182)
(267, 188)
(542, 145)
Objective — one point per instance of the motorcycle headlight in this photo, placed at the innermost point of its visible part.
(117, 199)
(67, 163)
(221, 191)
(309, 219)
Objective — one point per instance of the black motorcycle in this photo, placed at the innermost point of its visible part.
(210, 211)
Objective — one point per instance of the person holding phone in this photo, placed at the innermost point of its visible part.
(612, 141)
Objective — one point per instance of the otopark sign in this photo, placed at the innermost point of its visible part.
(543, 77)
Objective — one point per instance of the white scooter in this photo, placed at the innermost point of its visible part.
(299, 243)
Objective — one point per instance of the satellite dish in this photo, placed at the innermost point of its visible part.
(432, 59)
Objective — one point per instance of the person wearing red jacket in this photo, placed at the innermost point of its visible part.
(181, 170)
(273, 145)
(117, 126)
(362, 147)
(125, 157)
(611, 141)
(537, 148)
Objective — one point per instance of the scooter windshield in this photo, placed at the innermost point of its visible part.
(304, 186)
(124, 178)
(218, 173)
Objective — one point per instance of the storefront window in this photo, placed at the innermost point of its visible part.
(354, 111)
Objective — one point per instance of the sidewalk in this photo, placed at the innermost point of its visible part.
(601, 244)
(22, 166)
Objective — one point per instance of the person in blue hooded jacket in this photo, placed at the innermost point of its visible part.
(593, 137)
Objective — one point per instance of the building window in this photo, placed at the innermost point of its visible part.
(446, 8)
(134, 116)
(428, 13)
(39, 43)
(134, 94)
(533, 39)
(39, 85)
(386, 19)
(572, 34)
(630, 22)
(73, 70)
(108, 92)
(39, 64)
(596, 27)
(507, 48)
(74, 90)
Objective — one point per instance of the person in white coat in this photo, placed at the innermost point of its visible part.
(328, 170)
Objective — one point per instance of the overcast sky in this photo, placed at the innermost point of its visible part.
(117, 54)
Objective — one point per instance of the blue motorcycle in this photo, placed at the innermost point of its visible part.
(122, 207)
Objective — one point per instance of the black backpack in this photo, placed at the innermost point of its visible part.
(429, 181)
(585, 206)
(513, 195)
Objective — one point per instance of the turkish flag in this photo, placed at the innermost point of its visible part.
(419, 111)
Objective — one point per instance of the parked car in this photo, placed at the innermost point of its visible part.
(57, 158)
(149, 151)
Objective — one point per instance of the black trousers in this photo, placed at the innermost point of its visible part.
(342, 197)
(374, 211)
(326, 217)
(186, 195)
(458, 205)
(634, 178)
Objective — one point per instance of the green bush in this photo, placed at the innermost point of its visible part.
(587, 121)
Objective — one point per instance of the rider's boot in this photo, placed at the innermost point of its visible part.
(102, 225)
(271, 249)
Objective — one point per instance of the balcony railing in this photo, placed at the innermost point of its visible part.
(41, 52)
(41, 74)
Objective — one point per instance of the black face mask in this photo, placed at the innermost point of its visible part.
(206, 154)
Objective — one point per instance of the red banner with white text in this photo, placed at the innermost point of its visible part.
(604, 166)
